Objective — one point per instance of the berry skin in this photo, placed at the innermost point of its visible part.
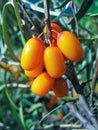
(36, 71)
(54, 61)
(70, 46)
(32, 54)
(42, 84)
(60, 87)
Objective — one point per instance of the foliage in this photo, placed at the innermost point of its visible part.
(19, 107)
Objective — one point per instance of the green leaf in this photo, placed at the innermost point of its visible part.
(35, 107)
(12, 104)
(5, 31)
(10, 100)
(70, 99)
(19, 20)
(63, 4)
(17, 14)
(7, 92)
(95, 37)
(86, 4)
(22, 116)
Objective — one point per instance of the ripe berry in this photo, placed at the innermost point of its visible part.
(54, 61)
(36, 71)
(32, 54)
(42, 84)
(70, 46)
(60, 87)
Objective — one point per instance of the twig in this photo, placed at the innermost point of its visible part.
(86, 123)
(70, 73)
(47, 22)
(34, 28)
(58, 107)
(25, 12)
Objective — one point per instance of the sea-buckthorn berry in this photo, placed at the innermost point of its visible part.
(70, 46)
(42, 84)
(54, 61)
(60, 87)
(32, 54)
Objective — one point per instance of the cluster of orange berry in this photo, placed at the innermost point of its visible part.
(47, 64)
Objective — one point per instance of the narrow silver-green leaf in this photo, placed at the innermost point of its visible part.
(22, 116)
(6, 37)
(19, 20)
(63, 4)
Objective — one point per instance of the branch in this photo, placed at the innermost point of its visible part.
(83, 120)
(70, 73)
(47, 21)
(49, 113)
(25, 13)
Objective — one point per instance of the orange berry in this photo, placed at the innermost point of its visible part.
(54, 62)
(55, 29)
(6, 66)
(60, 115)
(11, 68)
(17, 74)
(42, 84)
(74, 94)
(32, 53)
(35, 72)
(70, 46)
(60, 87)
(52, 102)
(3, 64)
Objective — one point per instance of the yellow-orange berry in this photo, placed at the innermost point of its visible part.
(54, 61)
(70, 46)
(42, 84)
(36, 71)
(32, 53)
